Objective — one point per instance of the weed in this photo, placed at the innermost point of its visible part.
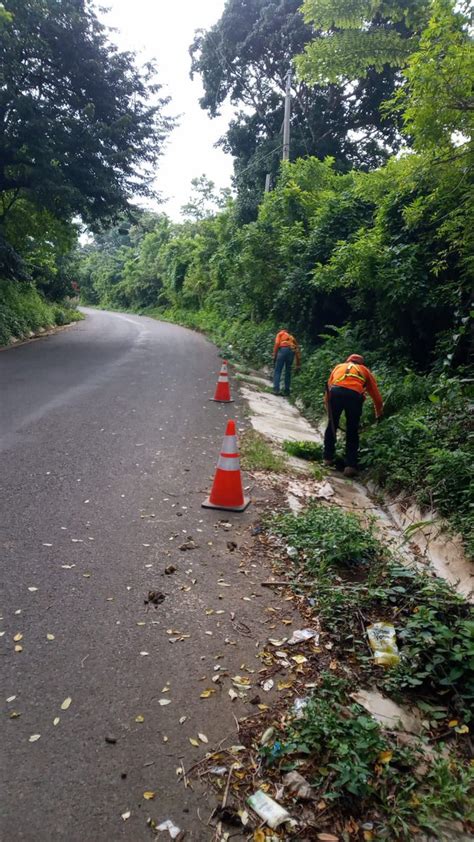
(257, 454)
(353, 580)
(310, 450)
(359, 769)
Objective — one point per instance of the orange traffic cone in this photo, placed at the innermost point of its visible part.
(222, 392)
(227, 492)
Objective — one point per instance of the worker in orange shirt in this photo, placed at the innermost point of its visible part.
(285, 350)
(345, 392)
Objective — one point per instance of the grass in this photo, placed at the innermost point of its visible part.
(310, 450)
(257, 454)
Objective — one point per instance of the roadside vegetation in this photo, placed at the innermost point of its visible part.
(23, 311)
(57, 175)
(335, 768)
(354, 249)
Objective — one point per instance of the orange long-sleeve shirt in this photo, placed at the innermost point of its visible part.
(357, 377)
(284, 339)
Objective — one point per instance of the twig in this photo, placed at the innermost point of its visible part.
(84, 660)
(186, 782)
(226, 791)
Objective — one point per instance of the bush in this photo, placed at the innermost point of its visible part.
(24, 310)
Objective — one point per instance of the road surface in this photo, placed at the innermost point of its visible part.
(108, 443)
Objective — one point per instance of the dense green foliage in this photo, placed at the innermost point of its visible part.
(377, 262)
(244, 59)
(23, 310)
(82, 128)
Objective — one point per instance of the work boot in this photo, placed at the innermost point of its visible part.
(350, 472)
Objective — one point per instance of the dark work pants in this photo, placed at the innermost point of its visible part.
(284, 359)
(341, 399)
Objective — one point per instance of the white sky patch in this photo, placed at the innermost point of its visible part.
(163, 30)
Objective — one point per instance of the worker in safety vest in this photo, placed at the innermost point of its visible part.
(345, 392)
(285, 350)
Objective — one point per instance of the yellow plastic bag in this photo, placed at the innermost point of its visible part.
(383, 642)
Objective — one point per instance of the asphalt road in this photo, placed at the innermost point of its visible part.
(108, 443)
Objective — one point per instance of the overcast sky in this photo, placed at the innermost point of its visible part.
(163, 30)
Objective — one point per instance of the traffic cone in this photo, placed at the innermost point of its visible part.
(227, 492)
(222, 392)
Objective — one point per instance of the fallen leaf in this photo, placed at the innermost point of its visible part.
(299, 659)
(139, 718)
(233, 695)
(453, 723)
(267, 685)
(164, 702)
(11, 698)
(182, 720)
(56, 720)
(126, 815)
(462, 729)
(50, 636)
(66, 704)
(18, 648)
(18, 637)
(144, 653)
(194, 742)
(14, 714)
(33, 738)
(203, 738)
(385, 756)
(327, 837)
(32, 589)
(206, 693)
(149, 795)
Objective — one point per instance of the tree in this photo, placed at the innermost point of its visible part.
(354, 38)
(204, 200)
(81, 125)
(437, 100)
(245, 59)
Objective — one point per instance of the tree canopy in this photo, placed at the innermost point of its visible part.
(245, 59)
(82, 125)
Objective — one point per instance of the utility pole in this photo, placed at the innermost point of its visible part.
(286, 121)
(268, 182)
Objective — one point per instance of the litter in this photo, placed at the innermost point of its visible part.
(298, 786)
(220, 771)
(383, 642)
(299, 707)
(302, 635)
(292, 552)
(272, 813)
(170, 827)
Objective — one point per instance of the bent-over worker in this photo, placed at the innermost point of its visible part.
(285, 350)
(345, 392)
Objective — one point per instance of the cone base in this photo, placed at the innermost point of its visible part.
(208, 505)
(222, 400)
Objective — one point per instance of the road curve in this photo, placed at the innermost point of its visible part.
(107, 444)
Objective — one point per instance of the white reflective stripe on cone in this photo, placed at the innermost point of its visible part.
(223, 378)
(229, 445)
(229, 463)
(224, 369)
